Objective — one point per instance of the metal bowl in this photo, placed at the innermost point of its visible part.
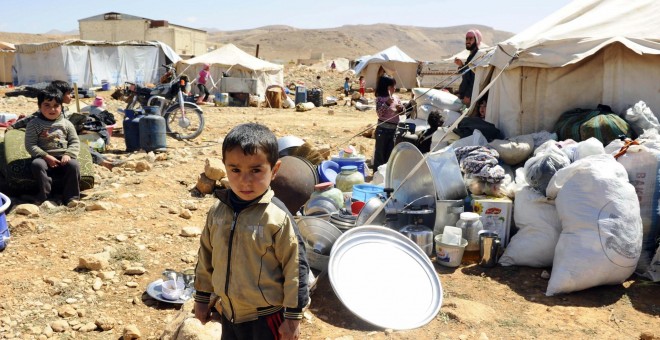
(319, 237)
(319, 205)
(370, 207)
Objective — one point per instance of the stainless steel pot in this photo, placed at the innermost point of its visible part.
(447, 212)
(421, 235)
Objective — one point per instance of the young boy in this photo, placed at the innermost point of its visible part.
(251, 253)
(66, 90)
(53, 143)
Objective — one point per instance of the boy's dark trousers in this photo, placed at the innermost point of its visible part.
(69, 173)
(264, 328)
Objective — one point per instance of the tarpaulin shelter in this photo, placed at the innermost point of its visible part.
(237, 63)
(7, 53)
(88, 63)
(588, 52)
(395, 62)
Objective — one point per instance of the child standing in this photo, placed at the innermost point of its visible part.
(363, 85)
(204, 75)
(251, 253)
(53, 143)
(347, 86)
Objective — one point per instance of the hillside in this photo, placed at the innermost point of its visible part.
(285, 43)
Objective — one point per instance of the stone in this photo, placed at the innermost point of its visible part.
(23, 228)
(98, 284)
(97, 261)
(214, 169)
(135, 271)
(109, 275)
(121, 238)
(88, 327)
(131, 332)
(190, 231)
(204, 184)
(27, 209)
(185, 214)
(47, 331)
(59, 326)
(142, 166)
(105, 323)
(96, 206)
(192, 329)
(66, 311)
(647, 336)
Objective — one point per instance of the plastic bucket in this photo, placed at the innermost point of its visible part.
(221, 99)
(357, 161)
(328, 171)
(105, 86)
(4, 230)
(449, 255)
(363, 192)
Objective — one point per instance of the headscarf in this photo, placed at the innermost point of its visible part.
(476, 34)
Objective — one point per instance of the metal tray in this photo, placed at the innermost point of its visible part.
(403, 160)
(155, 290)
(384, 278)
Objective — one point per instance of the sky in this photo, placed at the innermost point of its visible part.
(42, 16)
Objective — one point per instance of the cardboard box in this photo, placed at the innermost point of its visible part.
(496, 214)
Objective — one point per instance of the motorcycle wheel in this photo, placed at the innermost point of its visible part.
(187, 127)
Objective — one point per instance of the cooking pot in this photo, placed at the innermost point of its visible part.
(294, 182)
(447, 212)
(420, 235)
(370, 208)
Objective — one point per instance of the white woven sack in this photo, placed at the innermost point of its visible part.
(643, 167)
(440, 99)
(539, 228)
(601, 236)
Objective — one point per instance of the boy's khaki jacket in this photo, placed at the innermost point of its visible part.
(253, 260)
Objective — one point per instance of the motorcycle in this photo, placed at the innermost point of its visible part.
(183, 118)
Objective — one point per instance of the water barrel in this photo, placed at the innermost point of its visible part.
(152, 133)
(105, 86)
(301, 94)
(132, 130)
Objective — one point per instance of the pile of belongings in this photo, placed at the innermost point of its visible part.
(584, 195)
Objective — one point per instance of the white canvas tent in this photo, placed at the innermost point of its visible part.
(238, 64)
(7, 53)
(590, 52)
(395, 63)
(87, 63)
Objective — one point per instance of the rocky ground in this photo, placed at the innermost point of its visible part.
(82, 272)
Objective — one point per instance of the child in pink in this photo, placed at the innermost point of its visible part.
(204, 75)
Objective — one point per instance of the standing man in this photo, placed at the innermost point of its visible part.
(472, 42)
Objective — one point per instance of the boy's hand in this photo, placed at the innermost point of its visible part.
(290, 329)
(65, 159)
(202, 312)
(51, 161)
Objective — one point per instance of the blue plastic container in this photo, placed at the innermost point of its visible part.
(357, 161)
(132, 130)
(328, 171)
(363, 192)
(152, 133)
(301, 94)
(4, 230)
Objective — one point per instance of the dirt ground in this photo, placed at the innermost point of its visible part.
(41, 284)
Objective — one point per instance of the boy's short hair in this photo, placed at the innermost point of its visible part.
(252, 137)
(49, 93)
(62, 85)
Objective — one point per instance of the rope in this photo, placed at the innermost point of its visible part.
(627, 143)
